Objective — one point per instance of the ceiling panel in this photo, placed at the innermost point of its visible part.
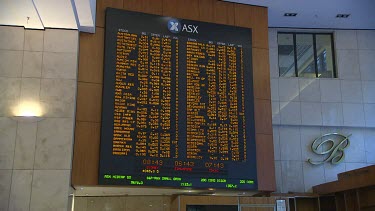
(56, 13)
(40, 14)
(85, 12)
(318, 13)
(19, 13)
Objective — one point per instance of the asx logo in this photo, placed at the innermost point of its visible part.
(175, 26)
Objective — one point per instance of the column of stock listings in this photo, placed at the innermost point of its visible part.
(174, 110)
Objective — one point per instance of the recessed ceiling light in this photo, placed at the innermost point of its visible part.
(290, 14)
(342, 15)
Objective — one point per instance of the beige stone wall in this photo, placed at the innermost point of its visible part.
(305, 108)
(35, 157)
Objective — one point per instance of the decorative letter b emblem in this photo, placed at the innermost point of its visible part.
(325, 145)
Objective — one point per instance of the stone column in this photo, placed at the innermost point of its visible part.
(37, 68)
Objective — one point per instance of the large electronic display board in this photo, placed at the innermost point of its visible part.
(177, 104)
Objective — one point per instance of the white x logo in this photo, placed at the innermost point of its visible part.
(174, 26)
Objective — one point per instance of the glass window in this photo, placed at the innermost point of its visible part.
(308, 55)
(286, 55)
(324, 56)
(305, 55)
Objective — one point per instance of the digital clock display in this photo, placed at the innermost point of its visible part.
(177, 104)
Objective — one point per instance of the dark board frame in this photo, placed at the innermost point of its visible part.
(119, 19)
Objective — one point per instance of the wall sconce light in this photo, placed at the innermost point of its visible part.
(28, 111)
